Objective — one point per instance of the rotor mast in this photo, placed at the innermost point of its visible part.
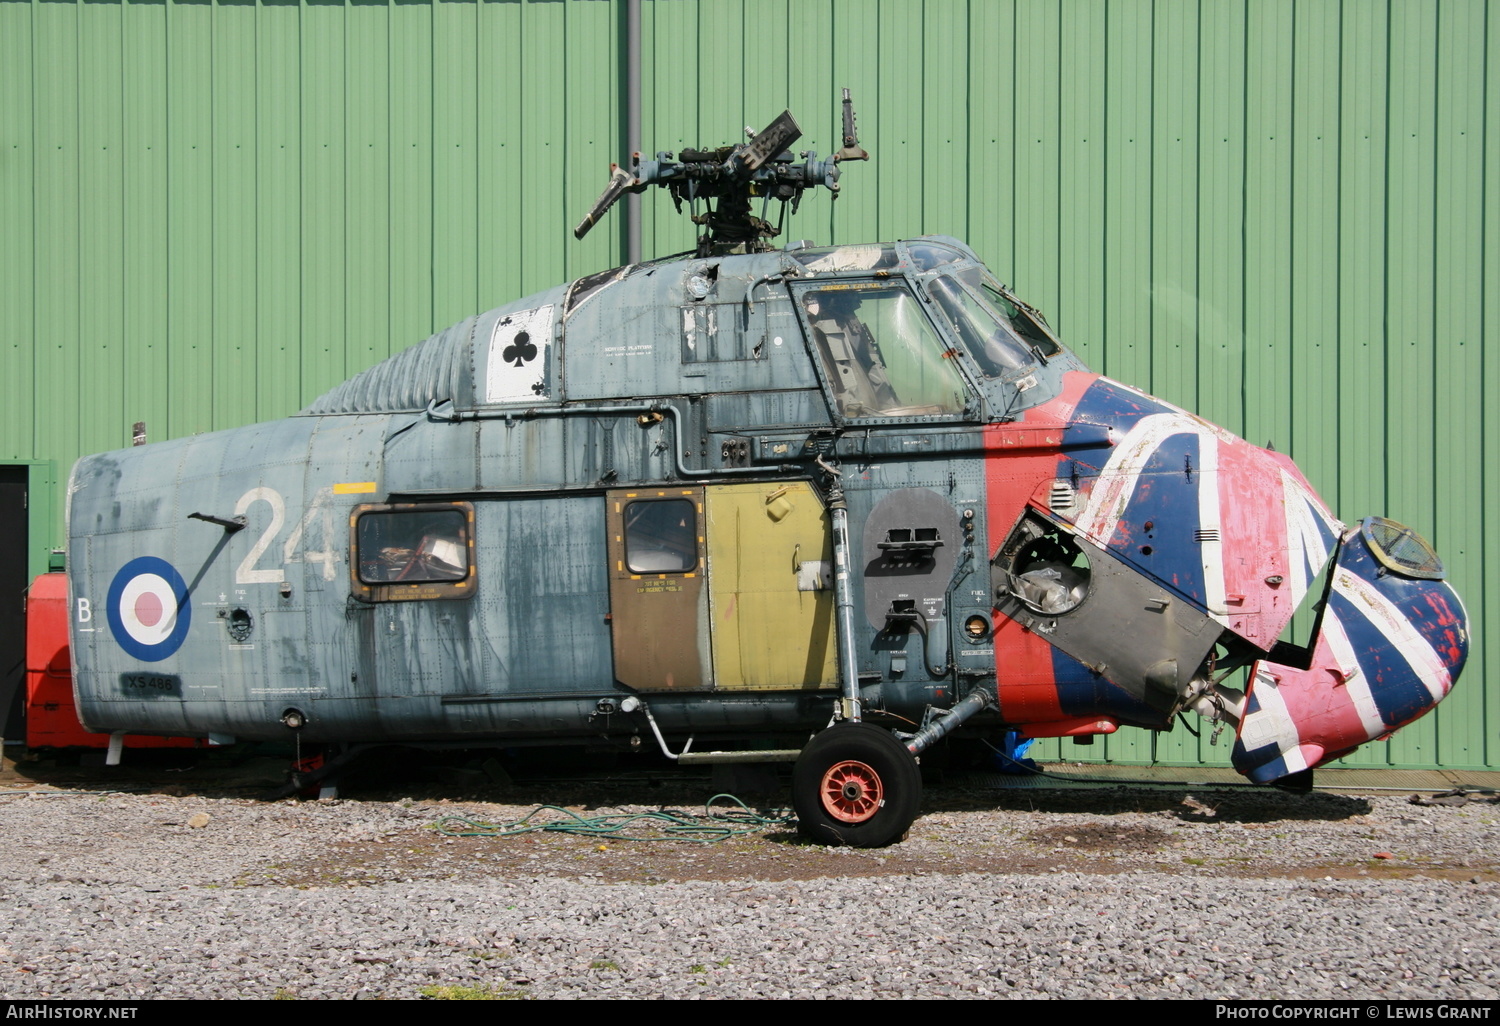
(728, 179)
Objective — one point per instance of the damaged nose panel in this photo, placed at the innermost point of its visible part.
(1391, 640)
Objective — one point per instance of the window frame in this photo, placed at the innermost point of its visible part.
(408, 591)
(693, 535)
(973, 396)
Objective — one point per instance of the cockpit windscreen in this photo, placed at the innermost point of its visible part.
(881, 354)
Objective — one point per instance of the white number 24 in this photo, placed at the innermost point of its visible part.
(319, 509)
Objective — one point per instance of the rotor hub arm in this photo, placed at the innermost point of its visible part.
(729, 178)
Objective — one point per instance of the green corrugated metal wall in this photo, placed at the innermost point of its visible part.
(1271, 212)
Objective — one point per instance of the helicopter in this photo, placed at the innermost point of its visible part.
(824, 505)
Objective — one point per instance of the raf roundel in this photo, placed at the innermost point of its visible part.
(148, 608)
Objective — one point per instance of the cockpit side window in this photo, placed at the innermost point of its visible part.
(881, 355)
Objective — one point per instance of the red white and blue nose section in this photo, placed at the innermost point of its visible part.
(1391, 640)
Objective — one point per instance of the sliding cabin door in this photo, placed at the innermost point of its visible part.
(723, 587)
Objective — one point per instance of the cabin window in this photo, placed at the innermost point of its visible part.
(881, 355)
(413, 551)
(661, 536)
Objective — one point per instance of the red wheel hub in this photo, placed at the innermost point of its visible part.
(851, 792)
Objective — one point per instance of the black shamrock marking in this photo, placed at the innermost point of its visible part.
(520, 351)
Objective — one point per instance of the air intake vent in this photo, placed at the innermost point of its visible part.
(1206, 534)
(1062, 497)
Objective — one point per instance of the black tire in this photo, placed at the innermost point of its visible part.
(855, 784)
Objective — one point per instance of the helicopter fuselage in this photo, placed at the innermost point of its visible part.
(606, 510)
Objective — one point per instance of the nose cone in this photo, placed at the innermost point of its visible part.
(1392, 639)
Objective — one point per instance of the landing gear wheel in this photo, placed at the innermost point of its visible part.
(855, 784)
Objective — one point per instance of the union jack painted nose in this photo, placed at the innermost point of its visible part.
(1392, 634)
(1158, 527)
(1391, 640)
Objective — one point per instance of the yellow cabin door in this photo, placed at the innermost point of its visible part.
(658, 605)
(770, 588)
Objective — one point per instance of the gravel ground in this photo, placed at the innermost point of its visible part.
(199, 892)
